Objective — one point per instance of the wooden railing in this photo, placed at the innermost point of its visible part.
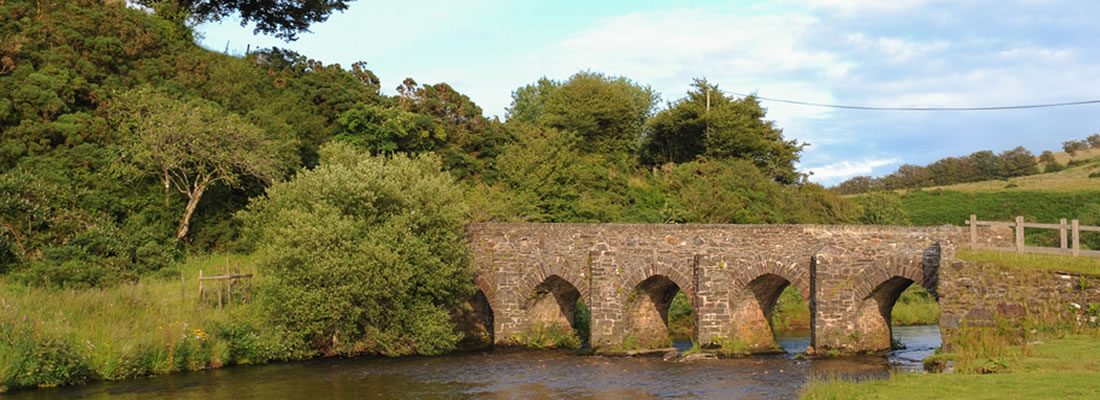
(1069, 235)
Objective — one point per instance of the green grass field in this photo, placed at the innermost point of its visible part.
(1057, 368)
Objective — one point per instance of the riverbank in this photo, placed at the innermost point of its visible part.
(1054, 367)
(55, 337)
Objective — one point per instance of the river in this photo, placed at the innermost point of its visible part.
(516, 374)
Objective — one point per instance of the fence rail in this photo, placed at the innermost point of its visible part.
(1069, 236)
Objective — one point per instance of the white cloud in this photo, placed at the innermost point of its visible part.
(844, 169)
(740, 51)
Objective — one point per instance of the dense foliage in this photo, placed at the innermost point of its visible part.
(363, 254)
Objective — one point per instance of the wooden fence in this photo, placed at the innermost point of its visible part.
(223, 284)
(1069, 235)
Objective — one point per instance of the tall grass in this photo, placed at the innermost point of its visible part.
(1034, 262)
(51, 337)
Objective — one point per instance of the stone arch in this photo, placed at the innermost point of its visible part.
(484, 284)
(795, 272)
(752, 307)
(575, 276)
(683, 281)
(552, 303)
(881, 285)
(908, 266)
(646, 309)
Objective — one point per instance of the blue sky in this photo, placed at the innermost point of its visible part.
(862, 52)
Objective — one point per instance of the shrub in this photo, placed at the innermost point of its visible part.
(32, 358)
(882, 208)
(363, 254)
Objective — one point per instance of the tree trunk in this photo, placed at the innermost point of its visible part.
(192, 203)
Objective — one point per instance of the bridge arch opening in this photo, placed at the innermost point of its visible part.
(758, 314)
(552, 315)
(876, 315)
(474, 320)
(657, 312)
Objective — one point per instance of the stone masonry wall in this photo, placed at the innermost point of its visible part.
(979, 294)
(837, 268)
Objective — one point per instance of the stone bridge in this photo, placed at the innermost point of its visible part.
(533, 275)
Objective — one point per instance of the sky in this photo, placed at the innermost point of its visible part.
(899, 53)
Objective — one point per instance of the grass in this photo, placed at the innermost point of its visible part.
(1034, 262)
(548, 336)
(1057, 368)
(938, 207)
(1068, 180)
(915, 307)
(52, 337)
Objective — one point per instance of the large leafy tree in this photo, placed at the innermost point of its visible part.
(364, 253)
(607, 113)
(191, 144)
(707, 122)
(283, 18)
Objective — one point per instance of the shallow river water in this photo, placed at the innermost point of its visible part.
(516, 374)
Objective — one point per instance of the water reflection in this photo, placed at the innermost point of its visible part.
(512, 374)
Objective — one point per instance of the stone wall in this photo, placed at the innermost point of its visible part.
(732, 273)
(973, 293)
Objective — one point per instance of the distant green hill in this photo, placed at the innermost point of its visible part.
(1072, 179)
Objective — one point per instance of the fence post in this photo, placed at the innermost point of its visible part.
(183, 293)
(200, 286)
(1019, 234)
(1076, 226)
(973, 232)
(1062, 234)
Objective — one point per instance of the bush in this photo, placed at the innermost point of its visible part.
(882, 208)
(362, 254)
(32, 358)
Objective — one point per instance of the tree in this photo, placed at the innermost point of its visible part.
(607, 113)
(364, 254)
(858, 184)
(882, 208)
(283, 18)
(383, 130)
(191, 144)
(1073, 146)
(988, 164)
(529, 102)
(722, 192)
(710, 123)
(1019, 162)
(1050, 164)
(1094, 140)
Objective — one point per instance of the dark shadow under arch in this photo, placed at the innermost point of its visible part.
(553, 302)
(474, 320)
(647, 310)
(873, 318)
(754, 309)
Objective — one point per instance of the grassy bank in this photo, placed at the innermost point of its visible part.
(1056, 367)
(1040, 262)
(52, 337)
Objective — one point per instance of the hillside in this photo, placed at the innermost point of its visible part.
(1072, 179)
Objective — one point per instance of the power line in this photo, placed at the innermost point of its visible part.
(869, 108)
